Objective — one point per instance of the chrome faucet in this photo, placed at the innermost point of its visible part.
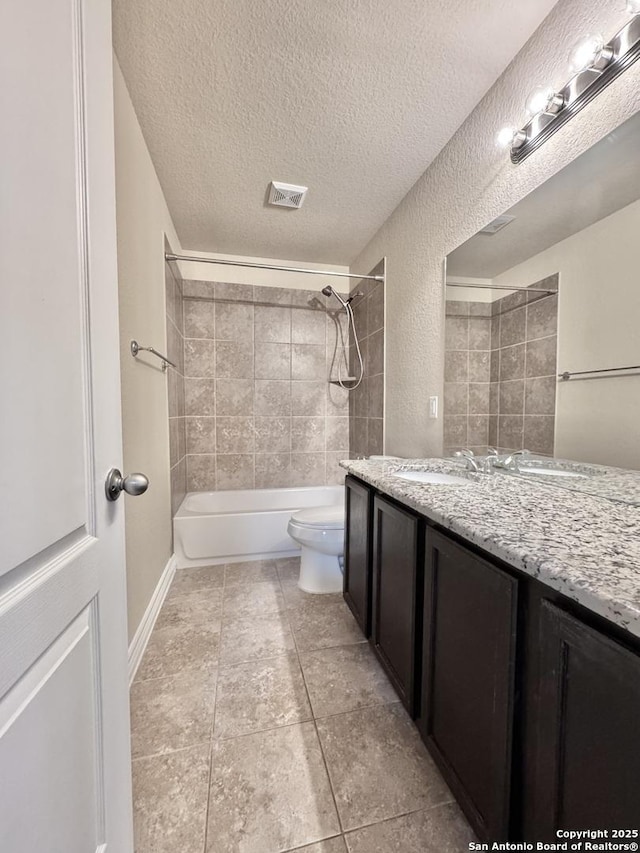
(510, 462)
(471, 462)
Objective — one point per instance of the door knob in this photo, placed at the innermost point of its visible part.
(132, 484)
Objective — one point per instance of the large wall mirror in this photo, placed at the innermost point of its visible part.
(572, 250)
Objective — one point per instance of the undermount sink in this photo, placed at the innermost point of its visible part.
(550, 472)
(433, 478)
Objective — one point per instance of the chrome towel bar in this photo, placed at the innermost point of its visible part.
(568, 374)
(136, 348)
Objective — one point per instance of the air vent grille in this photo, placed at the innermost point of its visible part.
(286, 195)
(497, 225)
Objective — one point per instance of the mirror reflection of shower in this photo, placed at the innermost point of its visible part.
(353, 381)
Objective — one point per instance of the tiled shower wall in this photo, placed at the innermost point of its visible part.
(366, 404)
(259, 409)
(175, 380)
(500, 372)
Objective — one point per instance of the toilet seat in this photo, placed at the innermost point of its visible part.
(320, 517)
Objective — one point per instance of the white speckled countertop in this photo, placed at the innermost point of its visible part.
(585, 546)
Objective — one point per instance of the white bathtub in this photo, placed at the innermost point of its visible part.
(226, 527)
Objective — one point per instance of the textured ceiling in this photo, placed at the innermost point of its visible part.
(353, 98)
(601, 181)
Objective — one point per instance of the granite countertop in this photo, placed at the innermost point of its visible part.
(582, 545)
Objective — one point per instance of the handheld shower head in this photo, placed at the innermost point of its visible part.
(329, 291)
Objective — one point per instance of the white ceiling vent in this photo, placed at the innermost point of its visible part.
(286, 195)
(497, 224)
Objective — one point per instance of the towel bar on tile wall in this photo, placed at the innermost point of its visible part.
(568, 374)
(136, 348)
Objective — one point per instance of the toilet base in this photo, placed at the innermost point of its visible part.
(319, 573)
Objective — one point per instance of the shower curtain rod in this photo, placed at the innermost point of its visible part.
(171, 257)
(499, 287)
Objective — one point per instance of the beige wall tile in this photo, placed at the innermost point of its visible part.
(234, 435)
(234, 471)
(272, 361)
(234, 321)
(201, 472)
(198, 319)
(234, 359)
(272, 323)
(234, 396)
(199, 357)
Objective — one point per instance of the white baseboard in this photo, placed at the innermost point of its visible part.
(141, 637)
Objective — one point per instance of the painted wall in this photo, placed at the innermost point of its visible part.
(470, 183)
(596, 419)
(142, 221)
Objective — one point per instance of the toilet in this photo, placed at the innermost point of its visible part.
(320, 533)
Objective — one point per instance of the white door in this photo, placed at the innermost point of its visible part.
(64, 735)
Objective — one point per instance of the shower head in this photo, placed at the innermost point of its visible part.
(329, 291)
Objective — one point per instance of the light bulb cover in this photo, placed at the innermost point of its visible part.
(511, 137)
(505, 137)
(544, 100)
(590, 52)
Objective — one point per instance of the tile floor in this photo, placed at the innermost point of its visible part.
(262, 723)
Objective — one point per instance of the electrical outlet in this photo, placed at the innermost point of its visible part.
(433, 407)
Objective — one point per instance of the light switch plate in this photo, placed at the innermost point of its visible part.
(433, 407)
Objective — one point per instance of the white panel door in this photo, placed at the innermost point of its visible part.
(64, 734)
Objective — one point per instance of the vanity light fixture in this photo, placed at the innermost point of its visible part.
(594, 63)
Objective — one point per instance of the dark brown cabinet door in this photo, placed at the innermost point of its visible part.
(587, 766)
(357, 551)
(470, 615)
(397, 597)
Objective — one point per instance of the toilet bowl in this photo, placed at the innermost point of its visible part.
(320, 533)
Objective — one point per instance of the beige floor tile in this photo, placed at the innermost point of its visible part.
(193, 608)
(331, 845)
(250, 572)
(288, 568)
(174, 649)
(345, 678)
(269, 792)
(260, 695)
(443, 829)
(251, 599)
(319, 625)
(172, 713)
(296, 597)
(378, 765)
(190, 580)
(170, 801)
(254, 638)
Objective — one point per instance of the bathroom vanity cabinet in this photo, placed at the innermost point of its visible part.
(527, 701)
